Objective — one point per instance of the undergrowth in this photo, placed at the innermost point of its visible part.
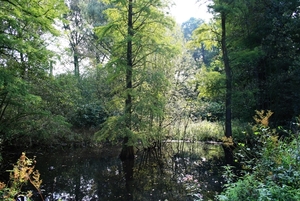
(271, 168)
(22, 173)
(274, 176)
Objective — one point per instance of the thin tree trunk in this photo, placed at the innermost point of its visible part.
(228, 148)
(127, 151)
(51, 69)
(76, 64)
(228, 129)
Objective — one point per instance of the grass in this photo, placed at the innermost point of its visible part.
(199, 131)
(210, 131)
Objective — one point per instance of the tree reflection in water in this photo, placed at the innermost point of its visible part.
(128, 166)
(191, 173)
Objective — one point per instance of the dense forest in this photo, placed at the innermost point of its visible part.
(87, 72)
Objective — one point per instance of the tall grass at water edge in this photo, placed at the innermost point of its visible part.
(199, 131)
(211, 131)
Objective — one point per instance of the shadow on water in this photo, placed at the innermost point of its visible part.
(189, 173)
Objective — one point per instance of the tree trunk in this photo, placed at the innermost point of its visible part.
(127, 151)
(51, 69)
(228, 129)
(228, 148)
(228, 153)
(76, 64)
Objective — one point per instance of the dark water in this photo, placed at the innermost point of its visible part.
(180, 172)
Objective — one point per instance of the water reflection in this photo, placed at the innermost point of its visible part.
(128, 167)
(180, 172)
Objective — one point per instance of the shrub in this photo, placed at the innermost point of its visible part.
(274, 172)
(22, 172)
(89, 115)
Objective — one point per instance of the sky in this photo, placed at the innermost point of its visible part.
(185, 9)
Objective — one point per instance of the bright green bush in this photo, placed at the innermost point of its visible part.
(250, 189)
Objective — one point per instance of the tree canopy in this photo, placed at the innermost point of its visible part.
(137, 71)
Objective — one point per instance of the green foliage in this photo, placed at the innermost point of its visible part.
(25, 60)
(113, 130)
(37, 112)
(261, 37)
(228, 174)
(89, 115)
(201, 52)
(265, 51)
(139, 75)
(189, 26)
(272, 170)
(61, 94)
(208, 34)
(16, 102)
(210, 83)
(242, 132)
(22, 173)
(246, 189)
(24, 25)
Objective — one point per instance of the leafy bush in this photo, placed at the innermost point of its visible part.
(89, 115)
(209, 110)
(272, 170)
(242, 132)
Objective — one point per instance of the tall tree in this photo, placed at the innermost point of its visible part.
(76, 29)
(263, 57)
(79, 26)
(222, 10)
(127, 151)
(228, 129)
(139, 56)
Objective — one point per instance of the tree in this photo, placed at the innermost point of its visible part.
(263, 58)
(189, 26)
(23, 28)
(77, 30)
(221, 11)
(93, 13)
(139, 54)
(81, 20)
(228, 129)
(278, 76)
(218, 32)
(24, 58)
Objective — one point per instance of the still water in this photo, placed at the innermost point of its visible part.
(179, 172)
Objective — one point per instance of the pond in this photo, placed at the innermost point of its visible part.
(181, 171)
